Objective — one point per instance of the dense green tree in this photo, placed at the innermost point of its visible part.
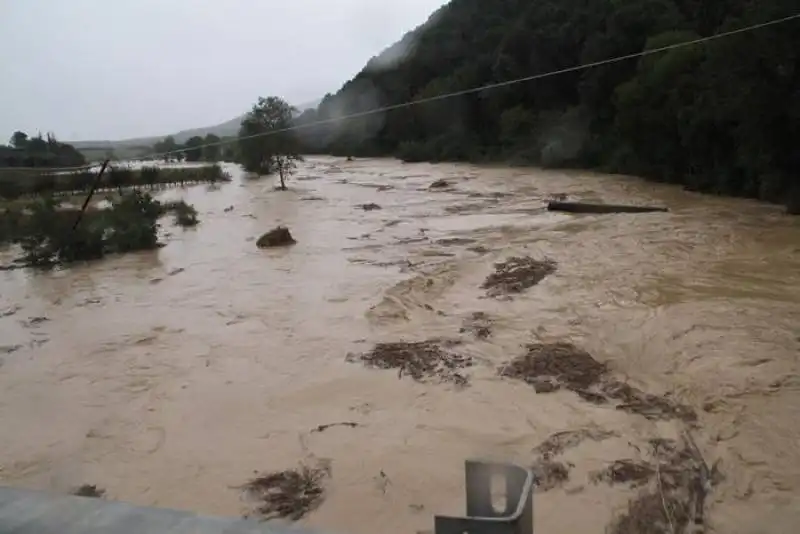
(212, 149)
(265, 145)
(19, 139)
(721, 117)
(194, 148)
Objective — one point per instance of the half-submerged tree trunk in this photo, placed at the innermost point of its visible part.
(283, 179)
(582, 207)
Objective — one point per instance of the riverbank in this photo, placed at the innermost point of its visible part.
(172, 387)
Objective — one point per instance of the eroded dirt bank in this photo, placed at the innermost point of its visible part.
(169, 378)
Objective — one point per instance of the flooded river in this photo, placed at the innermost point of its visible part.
(168, 378)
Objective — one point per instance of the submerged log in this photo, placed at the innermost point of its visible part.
(582, 207)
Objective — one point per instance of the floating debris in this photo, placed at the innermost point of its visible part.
(290, 494)
(678, 483)
(651, 406)
(454, 241)
(370, 207)
(549, 474)
(517, 274)
(583, 207)
(323, 428)
(277, 237)
(34, 321)
(8, 312)
(439, 184)
(554, 365)
(561, 441)
(550, 366)
(480, 249)
(89, 490)
(421, 360)
(478, 324)
(625, 472)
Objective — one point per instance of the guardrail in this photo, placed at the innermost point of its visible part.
(37, 512)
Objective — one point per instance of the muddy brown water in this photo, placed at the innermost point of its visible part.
(168, 378)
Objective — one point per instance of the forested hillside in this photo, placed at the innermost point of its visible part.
(721, 117)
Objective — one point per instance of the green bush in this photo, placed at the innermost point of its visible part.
(47, 236)
(185, 215)
(132, 222)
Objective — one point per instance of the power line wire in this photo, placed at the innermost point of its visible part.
(481, 88)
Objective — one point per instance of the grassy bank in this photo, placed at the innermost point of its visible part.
(18, 183)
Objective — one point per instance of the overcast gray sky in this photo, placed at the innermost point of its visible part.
(112, 69)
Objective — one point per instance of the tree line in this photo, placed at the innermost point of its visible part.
(39, 151)
(195, 149)
(722, 117)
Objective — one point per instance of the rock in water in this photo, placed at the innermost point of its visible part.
(277, 237)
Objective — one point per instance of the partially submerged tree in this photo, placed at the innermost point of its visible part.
(265, 143)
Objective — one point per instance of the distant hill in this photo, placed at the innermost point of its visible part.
(135, 145)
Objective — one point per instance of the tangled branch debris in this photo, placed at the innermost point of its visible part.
(421, 360)
(561, 441)
(550, 366)
(290, 494)
(677, 480)
(631, 472)
(550, 474)
(517, 274)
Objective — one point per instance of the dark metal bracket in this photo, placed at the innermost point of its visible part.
(482, 518)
